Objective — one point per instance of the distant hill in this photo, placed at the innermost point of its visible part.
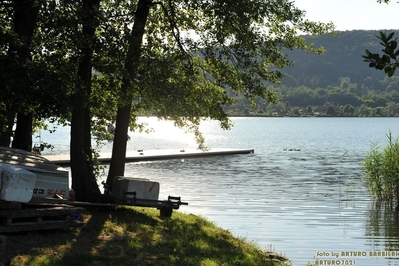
(342, 59)
(337, 83)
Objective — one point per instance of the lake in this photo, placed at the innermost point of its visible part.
(300, 194)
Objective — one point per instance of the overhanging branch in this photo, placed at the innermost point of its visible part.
(173, 26)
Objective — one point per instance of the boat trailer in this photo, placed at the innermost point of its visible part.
(165, 207)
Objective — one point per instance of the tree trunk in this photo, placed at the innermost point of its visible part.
(6, 134)
(23, 132)
(83, 179)
(117, 165)
(25, 18)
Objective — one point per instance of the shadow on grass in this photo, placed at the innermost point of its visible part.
(102, 241)
(137, 236)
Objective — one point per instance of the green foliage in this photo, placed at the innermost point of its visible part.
(381, 168)
(192, 53)
(330, 110)
(295, 111)
(390, 52)
(197, 57)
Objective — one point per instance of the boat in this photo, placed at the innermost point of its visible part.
(26, 175)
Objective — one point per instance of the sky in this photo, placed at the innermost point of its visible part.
(352, 14)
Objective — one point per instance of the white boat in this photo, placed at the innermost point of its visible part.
(26, 176)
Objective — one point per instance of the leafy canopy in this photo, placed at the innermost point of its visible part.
(197, 55)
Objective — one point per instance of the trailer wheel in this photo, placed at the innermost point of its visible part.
(166, 212)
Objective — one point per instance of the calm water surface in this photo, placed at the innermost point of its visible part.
(298, 203)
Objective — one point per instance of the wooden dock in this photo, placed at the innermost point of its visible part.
(153, 155)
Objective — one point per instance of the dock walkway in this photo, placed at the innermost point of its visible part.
(152, 155)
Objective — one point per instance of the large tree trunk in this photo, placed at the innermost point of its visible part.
(23, 132)
(117, 165)
(83, 179)
(25, 18)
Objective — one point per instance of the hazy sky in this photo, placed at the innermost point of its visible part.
(353, 14)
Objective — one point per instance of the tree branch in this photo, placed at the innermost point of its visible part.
(174, 29)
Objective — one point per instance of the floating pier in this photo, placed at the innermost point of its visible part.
(153, 155)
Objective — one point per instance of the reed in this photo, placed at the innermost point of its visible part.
(381, 168)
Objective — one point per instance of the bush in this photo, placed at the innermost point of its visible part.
(382, 170)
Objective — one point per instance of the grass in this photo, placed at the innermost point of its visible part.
(137, 236)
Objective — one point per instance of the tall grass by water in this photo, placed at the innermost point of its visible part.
(381, 167)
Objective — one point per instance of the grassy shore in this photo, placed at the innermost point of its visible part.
(137, 236)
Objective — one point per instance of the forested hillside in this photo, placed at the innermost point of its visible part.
(343, 58)
(337, 83)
